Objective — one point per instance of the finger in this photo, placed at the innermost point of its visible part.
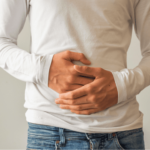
(74, 87)
(77, 80)
(75, 93)
(77, 57)
(73, 71)
(77, 73)
(93, 71)
(86, 112)
(83, 80)
(78, 107)
(81, 100)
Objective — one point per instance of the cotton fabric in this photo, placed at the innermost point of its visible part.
(101, 30)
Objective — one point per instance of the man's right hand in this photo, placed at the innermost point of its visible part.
(63, 77)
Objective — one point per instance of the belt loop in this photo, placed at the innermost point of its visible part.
(91, 144)
(62, 136)
(111, 135)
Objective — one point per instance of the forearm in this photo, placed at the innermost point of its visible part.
(17, 62)
(131, 82)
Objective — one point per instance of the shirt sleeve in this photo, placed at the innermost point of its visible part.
(17, 62)
(131, 82)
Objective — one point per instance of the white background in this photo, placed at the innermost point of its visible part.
(13, 125)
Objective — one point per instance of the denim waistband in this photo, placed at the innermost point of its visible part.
(62, 134)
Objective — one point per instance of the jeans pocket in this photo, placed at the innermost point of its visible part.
(41, 137)
(132, 139)
(40, 143)
(118, 144)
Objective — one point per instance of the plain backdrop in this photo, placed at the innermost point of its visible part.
(13, 125)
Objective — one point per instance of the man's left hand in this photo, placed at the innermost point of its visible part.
(93, 97)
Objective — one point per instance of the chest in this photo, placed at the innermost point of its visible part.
(102, 10)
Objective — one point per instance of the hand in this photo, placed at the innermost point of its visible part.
(63, 77)
(93, 97)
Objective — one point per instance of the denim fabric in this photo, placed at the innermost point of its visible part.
(53, 138)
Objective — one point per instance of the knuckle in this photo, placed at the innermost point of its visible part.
(72, 102)
(85, 67)
(99, 70)
(87, 113)
(78, 107)
(77, 112)
(72, 96)
(89, 88)
(93, 98)
(70, 79)
(82, 55)
(60, 90)
(67, 52)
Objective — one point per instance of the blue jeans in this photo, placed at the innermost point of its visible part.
(54, 138)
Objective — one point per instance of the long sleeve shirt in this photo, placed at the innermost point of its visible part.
(101, 30)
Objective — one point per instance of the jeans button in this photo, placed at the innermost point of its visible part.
(57, 142)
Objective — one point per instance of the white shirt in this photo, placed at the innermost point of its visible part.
(101, 30)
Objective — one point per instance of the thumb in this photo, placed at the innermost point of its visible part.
(88, 70)
(78, 57)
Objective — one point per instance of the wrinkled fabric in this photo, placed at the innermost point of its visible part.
(101, 30)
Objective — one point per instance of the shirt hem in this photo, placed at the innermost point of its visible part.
(36, 119)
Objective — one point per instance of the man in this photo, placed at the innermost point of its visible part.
(79, 92)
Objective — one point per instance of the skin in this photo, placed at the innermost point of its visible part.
(62, 75)
(82, 89)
